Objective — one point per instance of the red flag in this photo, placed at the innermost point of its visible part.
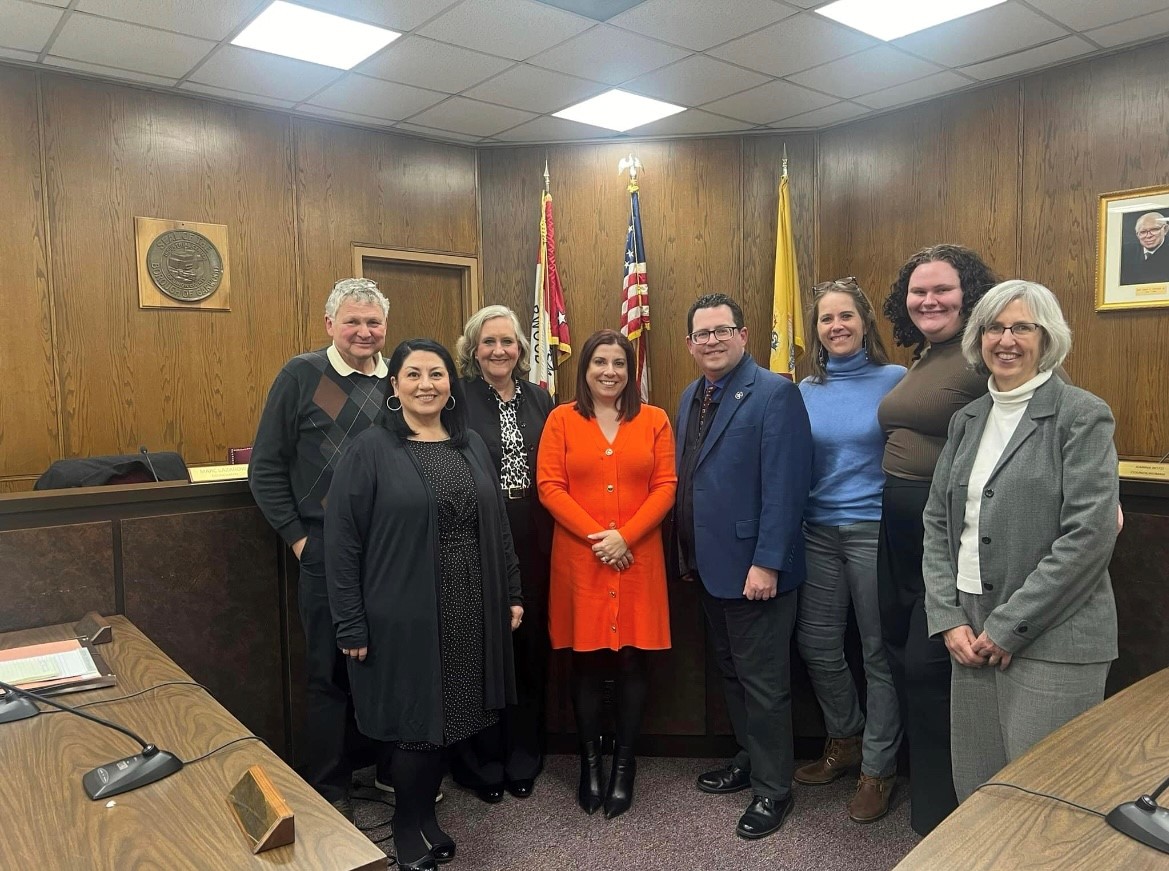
(551, 343)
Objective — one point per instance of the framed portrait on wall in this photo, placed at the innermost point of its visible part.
(1132, 259)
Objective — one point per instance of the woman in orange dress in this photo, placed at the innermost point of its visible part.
(606, 474)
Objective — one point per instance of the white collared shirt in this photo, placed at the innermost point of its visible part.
(381, 370)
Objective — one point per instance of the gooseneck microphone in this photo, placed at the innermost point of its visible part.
(142, 450)
(121, 775)
(1144, 820)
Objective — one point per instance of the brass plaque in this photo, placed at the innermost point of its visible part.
(184, 265)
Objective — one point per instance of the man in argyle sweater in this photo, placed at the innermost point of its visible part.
(318, 404)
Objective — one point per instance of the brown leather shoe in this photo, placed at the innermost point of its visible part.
(871, 801)
(841, 755)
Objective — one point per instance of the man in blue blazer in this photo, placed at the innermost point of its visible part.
(744, 452)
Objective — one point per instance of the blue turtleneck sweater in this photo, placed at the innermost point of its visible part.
(846, 466)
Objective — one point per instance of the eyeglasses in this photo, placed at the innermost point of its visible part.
(1019, 330)
(848, 283)
(721, 334)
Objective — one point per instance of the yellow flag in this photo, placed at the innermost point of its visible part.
(787, 316)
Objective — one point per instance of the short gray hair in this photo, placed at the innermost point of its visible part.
(359, 290)
(1044, 308)
(469, 340)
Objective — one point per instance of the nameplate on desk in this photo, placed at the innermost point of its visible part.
(209, 474)
(1144, 471)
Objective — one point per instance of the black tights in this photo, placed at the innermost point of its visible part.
(416, 776)
(589, 672)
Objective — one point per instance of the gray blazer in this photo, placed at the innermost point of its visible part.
(1047, 527)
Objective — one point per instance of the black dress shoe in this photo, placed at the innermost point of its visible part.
(724, 780)
(520, 788)
(763, 817)
(490, 794)
(426, 863)
(442, 851)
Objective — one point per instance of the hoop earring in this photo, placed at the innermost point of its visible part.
(390, 407)
(450, 406)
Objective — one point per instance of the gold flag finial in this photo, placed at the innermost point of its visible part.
(632, 164)
(784, 165)
(547, 180)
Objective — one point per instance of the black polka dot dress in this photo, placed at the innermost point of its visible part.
(461, 599)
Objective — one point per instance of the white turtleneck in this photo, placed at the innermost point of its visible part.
(1006, 411)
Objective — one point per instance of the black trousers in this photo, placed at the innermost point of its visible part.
(513, 748)
(752, 646)
(920, 664)
(329, 729)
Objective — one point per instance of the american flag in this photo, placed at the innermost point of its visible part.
(635, 296)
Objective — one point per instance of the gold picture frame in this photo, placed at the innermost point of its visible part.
(1129, 274)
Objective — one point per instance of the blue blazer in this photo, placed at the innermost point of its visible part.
(751, 480)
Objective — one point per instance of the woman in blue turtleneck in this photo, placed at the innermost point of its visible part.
(851, 374)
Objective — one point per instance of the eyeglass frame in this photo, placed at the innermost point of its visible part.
(706, 339)
(996, 330)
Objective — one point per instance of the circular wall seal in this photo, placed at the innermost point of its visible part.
(184, 265)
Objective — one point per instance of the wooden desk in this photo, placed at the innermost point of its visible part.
(1109, 755)
(182, 822)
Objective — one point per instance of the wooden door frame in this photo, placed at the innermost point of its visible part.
(472, 298)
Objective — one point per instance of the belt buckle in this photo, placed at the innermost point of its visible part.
(515, 492)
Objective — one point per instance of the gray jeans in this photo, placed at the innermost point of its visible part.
(842, 569)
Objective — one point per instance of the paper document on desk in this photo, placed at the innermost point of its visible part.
(53, 666)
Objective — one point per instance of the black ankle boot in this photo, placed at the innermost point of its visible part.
(620, 794)
(588, 794)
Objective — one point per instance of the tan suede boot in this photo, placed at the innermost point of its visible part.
(841, 755)
(871, 801)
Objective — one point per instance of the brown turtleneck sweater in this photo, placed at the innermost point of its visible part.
(915, 414)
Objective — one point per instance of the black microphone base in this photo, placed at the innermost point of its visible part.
(1149, 827)
(14, 707)
(130, 773)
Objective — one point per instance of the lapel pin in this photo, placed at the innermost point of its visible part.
(739, 395)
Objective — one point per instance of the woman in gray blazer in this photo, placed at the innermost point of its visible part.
(1019, 531)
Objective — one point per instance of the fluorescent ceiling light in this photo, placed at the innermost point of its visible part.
(317, 37)
(619, 110)
(889, 19)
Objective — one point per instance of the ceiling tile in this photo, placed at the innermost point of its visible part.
(608, 54)
(921, 89)
(269, 75)
(209, 19)
(694, 122)
(362, 95)
(794, 44)
(1087, 14)
(462, 115)
(1033, 58)
(696, 80)
(534, 89)
(990, 33)
(429, 64)
(870, 70)
(235, 96)
(431, 133)
(128, 46)
(700, 24)
(1145, 27)
(353, 117)
(400, 15)
(108, 72)
(17, 54)
(509, 28)
(833, 114)
(26, 27)
(770, 102)
(61, 3)
(549, 129)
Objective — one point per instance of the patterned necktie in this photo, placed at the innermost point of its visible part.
(707, 399)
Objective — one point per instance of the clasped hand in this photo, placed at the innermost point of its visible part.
(975, 652)
(611, 549)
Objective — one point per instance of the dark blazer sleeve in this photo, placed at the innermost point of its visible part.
(941, 575)
(786, 461)
(487, 482)
(348, 510)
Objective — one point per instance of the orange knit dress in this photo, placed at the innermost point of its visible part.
(588, 485)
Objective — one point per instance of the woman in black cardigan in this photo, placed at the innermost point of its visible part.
(424, 587)
(508, 413)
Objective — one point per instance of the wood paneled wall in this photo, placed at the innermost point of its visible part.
(85, 371)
